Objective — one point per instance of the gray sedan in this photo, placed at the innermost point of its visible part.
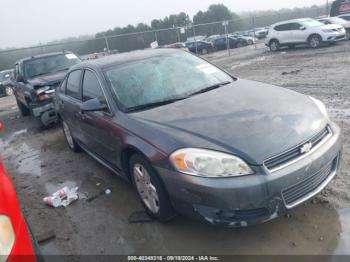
(195, 140)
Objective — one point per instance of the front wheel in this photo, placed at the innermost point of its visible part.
(150, 189)
(8, 91)
(315, 41)
(73, 145)
(274, 45)
(347, 36)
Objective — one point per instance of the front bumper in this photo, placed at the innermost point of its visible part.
(46, 113)
(334, 37)
(253, 199)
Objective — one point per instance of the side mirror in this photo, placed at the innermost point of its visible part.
(93, 105)
(302, 28)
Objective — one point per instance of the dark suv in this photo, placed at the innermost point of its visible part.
(5, 83)
(35, 81)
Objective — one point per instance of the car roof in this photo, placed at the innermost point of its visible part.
(126, 57)
(293, 21)
(42, 55)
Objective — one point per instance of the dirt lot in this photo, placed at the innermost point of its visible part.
(40, 163)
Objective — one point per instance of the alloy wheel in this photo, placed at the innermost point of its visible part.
(314, 42)
(146, 189)
(8, 91)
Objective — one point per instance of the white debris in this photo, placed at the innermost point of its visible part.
(62, 197)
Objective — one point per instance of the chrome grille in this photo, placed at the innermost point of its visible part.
(280, 160)
(310, 184)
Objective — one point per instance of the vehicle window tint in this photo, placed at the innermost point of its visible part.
(73, 82)
(283, 27)
(294, 26)
(91, 87)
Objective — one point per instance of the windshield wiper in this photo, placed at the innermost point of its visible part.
(209, 88)
(152, 105)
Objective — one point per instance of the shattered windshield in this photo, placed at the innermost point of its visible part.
(163, 78)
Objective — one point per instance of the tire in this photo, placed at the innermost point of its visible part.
(22, 108)
(73, 145)
(156, 201)
(250, 42)
(8, 91)
(314, 41)
(204, 51)
(274, 45)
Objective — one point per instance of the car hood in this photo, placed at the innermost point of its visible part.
(53, 79)
(250, 119)
(332, 26)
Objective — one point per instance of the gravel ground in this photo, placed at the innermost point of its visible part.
(40, 163)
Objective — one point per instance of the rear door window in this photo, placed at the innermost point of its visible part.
(283, 27)
(73, 84)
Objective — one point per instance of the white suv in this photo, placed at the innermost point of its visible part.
(303, 31)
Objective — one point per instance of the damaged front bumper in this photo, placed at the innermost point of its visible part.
(253, 199)
(46, 113)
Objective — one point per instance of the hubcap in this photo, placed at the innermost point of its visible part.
(9, 91)
(273, 46)
(146, 189)
(68, 135)
(314, 42)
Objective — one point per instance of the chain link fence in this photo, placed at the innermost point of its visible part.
(142, 40)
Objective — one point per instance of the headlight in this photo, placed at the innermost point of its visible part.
(7, 236)
(207, 163)
(42, 90)
(320, 106)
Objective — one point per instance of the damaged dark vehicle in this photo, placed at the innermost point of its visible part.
(35, 81)
(195, 140)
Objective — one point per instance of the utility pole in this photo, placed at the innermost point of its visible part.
(107, 45)
(195, 40)
(225, 23)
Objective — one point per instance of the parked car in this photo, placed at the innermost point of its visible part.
(337, 21)
(203, 47)
(221, 43)
(5, 83)
(15, 239)
(261, 33)
(250, 40)
(212, 38)
(345, 16)
(178, 45)
(303, 31)
(197, 141)
(36, 79)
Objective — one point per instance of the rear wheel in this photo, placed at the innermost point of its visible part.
(315, 41)
(274, 45)
(150, 189)
(250, 42)
(8, 91)
(22, 108)
(73, 145)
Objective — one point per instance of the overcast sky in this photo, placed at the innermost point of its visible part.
(28, 22)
